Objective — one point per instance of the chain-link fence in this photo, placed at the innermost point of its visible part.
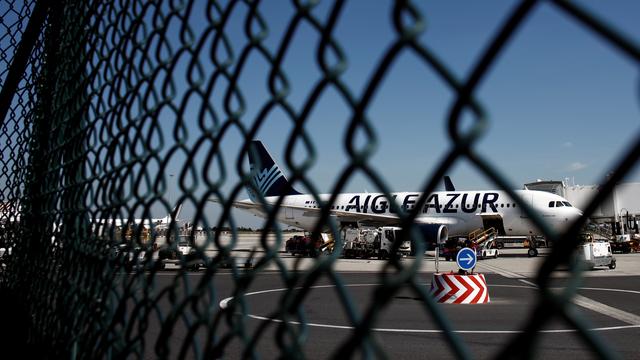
(100, 100)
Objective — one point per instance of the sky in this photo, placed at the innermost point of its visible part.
(562, 103)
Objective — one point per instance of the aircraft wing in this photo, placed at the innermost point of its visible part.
(242, 204)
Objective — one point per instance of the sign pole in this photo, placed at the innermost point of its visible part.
(437, 256)
(463, 287)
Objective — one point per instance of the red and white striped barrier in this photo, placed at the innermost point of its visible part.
(459, 289)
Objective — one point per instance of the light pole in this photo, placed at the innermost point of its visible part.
(170, 192)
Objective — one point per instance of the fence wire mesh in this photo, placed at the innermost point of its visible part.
(100, 98)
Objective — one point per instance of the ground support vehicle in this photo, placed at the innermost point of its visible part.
(533, 250)
(147, 258)
(384, 237)
(620, 247)
(185, 255)
(357, 243)
(357, 248)
(621, 244)
(596, 253)
(373, 242)
(303, 245)
(132, 257)
(512, 242)
(487, 249)
(451, 247)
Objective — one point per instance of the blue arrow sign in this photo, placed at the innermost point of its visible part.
(466, 259)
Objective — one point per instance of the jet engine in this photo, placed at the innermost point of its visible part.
(434, 234)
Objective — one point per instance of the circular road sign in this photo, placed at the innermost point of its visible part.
(466, 259)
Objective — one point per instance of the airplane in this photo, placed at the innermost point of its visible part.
(10, 213)
(158, 223)
(445, 213)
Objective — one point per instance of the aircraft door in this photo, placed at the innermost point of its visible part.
(528, 199)
(493, 221)
(288, 213)
(523, 222)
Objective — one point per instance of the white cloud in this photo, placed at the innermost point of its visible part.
(576, 166)
(568, 144)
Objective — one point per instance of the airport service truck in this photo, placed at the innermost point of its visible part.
(184, 254)
(373, 242)
(595, 253)
(625, 244)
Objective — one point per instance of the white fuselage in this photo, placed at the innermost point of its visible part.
(461, 211)
(157, 222)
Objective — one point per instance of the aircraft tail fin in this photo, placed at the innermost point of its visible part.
(448, 184)
(268, 179)
(177, 209)
(167, 219)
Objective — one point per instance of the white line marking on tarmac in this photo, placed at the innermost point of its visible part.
(583, 301)
(607, 310)
(438, 331)
(528, 283)
(500, 271)
(224, 304)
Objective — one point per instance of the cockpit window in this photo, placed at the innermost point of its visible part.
(552, 203)
(559, 204)
(566, 203)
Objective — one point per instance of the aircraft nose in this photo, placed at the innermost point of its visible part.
(572, 216)
(576, 214)
(566, 218)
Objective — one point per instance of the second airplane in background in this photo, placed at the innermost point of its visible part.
(155, 222)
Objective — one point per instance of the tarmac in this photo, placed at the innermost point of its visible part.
(608, 301)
